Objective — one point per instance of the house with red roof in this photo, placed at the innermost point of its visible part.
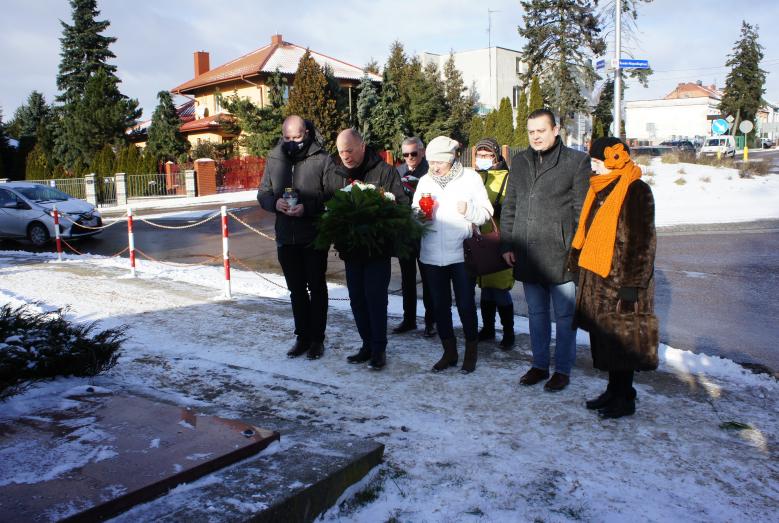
(248, 76)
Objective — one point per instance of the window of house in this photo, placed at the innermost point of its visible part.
(217, 104)
(515, 98)
(519, 65)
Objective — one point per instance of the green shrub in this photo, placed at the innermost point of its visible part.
(42, 345)
(750, 169)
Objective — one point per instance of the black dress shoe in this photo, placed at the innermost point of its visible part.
(557, 382)
(298, 349)
(618, 407)
(316, 350)
(430, 331)
(360, 357)
(533, 376)
(378, 362)
(601, 401)
(405, 326)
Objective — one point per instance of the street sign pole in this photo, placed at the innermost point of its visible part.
(618, 70)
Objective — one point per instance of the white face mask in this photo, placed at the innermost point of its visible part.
(483, 163)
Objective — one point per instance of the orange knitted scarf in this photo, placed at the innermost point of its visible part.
(597, 245)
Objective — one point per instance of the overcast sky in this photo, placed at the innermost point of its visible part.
(684, 40)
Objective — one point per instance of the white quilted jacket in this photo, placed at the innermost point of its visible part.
(443, 244)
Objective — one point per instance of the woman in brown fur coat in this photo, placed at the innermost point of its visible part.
(614, 253)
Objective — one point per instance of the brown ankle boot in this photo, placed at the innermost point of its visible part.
(469, 360)
(449, 359)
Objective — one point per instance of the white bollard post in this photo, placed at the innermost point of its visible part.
(57, 232)
(131, 240)
(226, 253)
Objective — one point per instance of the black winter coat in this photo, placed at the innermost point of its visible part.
(308, 177)
(541, 211)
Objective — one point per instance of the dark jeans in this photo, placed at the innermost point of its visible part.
(368, 282)
(304, 269)
(408, 276)
(441, 281)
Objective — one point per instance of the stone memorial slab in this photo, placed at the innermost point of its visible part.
(102, 454)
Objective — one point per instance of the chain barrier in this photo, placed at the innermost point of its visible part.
(191, 225)
(120, 252)
(69, 246)
(256, 231)
(172, 264)
(71, 220)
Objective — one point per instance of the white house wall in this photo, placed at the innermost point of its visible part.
(658, 120)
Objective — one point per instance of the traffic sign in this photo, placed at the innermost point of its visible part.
(626, 63)
(600, 64)
(720, 126)
(746, 126)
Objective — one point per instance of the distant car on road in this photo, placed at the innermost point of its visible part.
(767, 143)
(26, 211)
(680, 145)
(651, 150)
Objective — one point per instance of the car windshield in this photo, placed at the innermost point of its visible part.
(41, 193)
(712, 143)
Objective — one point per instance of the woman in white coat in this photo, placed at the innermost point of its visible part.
(459, 202)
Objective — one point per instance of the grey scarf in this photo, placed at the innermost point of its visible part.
(455, 171)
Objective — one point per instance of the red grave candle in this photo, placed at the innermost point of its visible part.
(426, 203)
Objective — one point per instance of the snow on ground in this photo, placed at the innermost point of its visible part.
(710, 194)
(475, 447)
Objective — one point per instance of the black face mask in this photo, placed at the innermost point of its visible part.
(294, 149)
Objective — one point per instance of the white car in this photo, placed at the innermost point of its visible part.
(26, 211)
(725, 145)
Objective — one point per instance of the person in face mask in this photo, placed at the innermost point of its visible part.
(495, 287)
(292, 189)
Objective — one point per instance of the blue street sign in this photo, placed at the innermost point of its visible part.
(625, 63)
(720, 126)
(600, 64)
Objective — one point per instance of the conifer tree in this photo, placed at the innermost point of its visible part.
(427, 108)
(94, 111)
(366, 102)
(602, 114)
(29, 117)
(341, 97)
(165, 140)
(104, 163)
(491, 124)
(745, 83)
(309, 99)
(520, 129)
(388, 122)
(476, 129)
(99, 117)
(536, 100)
(371, 67)
(84, 51)
(36, 165)
(460, 105)
(4, 149)
(504, 126)
(561, 37)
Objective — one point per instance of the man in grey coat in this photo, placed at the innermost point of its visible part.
(546, 190)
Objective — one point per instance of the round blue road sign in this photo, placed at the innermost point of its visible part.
(720, 126)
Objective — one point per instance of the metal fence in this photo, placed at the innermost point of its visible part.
(75, 187)
(106, 191)
(155, 185)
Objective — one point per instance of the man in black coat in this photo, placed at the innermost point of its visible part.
(413, 168)
(546, 190)
(297, 166)
(367, 277)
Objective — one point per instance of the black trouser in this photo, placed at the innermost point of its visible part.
(408, 278)
(304, 269)
(621, 383)
(367, 282)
